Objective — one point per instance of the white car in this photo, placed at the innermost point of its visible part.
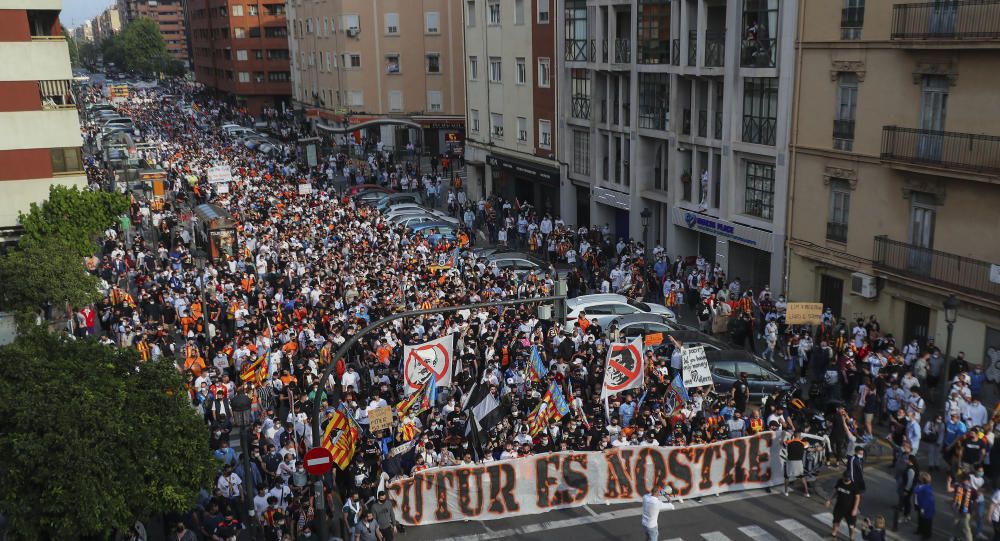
(602, 309)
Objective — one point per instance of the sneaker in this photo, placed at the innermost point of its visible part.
(786, 493)
(807, 494)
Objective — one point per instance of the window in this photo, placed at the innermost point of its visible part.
(654, 32)
(760, 23)
(357, 98)
(433, 63)
(395, 101)
(276, 54)
(576, 31)
(522, 129)
(326, 27)
(66, 160)
(239, 33)
(496, 74)
(847, 101)
(278, 76)
(521, 71)
(258, 54)
(274, 9)
(518, 11)
(760, 110)
(852, 19)
(255, 32)
(352, 60)
(474, 120)
(758, 199)
(494, 13)
(432, 22)
(351, 22)
(434, 101)
(544, 72)
(840, 207)
(241, 54)
(473, 68)
(580, 89)
(545, 134)
(244, 76)
(237, 10)
(470, 10)
(392, 24)
(392, 63)
(252, 10)
(496, 120)
(543, 11)
(309, 25)
(328, 55)
(258, 76)
(581, 152)
(654, 101)
(275, 32)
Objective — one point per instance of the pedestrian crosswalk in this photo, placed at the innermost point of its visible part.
(816, 529)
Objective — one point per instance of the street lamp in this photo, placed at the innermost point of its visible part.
(950, 317)
(645, 215)
(243, 420)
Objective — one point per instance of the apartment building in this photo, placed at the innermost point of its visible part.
(40, 137)
(240, 49)
(511, 117)
(168, 14)
(106, 24)
(85, 31)
(398, 61)
(675, 118)
(896, 143)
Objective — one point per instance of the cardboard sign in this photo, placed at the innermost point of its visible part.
(219, 174)
(561, 480)
(804, 313)
(305, 189)
(380, 419)
(695, 369)
(653, 339)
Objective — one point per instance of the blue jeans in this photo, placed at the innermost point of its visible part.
(652, 534)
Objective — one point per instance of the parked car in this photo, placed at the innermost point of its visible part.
(359, 189)
(637, 324)
(521, 263)
(434, 232)
(604, 308)
(396, 198)
(728, 364)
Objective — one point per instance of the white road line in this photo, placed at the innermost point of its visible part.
(485, 527)
(591, 511)
(674, 539)
(825, 518)
(757, 533)
(715, 536)
(799, 530)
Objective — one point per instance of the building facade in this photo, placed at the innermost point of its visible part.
(510, 50)
(40, 141)
(897, 144)
(107, 24)
(241, 51)
(85, 32)
(354, 61)
(680, 111)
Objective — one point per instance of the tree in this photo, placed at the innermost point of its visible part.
(92, 439)
(112, 51)
(74, 216)
(44, 271)
(74, 51)
(143, 47)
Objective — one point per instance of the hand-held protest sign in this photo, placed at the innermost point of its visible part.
(422, 360)
(380, 419)
(540, 483)
(804, 313)
(625, 369)
(696, 372)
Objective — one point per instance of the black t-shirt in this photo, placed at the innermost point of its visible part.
(972, 450)
(845, 491)
(741, 392)
(796, 449)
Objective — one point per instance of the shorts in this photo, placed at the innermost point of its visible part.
(793, 469)
(845, 516)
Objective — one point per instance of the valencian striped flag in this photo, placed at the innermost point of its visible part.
(407, 430)
(342, 446)
(343, 449)
(338, 421)
(553, 407)
(404, 406)
(255, 372)
(428, 396)
(121, 297)
(536, 368)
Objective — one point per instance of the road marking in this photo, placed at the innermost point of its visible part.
(485, 527)
(715, 536)
(591, 511)
(825, 518)
(757, 533)
(799, 530)
(674, 539)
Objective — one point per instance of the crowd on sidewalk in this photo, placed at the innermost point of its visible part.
(310, 271)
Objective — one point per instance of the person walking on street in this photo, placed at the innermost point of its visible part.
(652, 504)
(384, 516)
(923, 499)
(846, 499)
(367, 530)
(796, 452)
(963, 503)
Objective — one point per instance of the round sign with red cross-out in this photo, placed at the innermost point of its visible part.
(318, 461)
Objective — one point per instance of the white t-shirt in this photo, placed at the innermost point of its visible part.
(995, 500)
(651, 507)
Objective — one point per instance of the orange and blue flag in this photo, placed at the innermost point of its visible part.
(536, 368)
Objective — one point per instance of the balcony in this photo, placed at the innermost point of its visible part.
(852, 20)
(576, 50)
(675, 52)
(715, 48)
(686, 122)
(962, 152)
(692, 47)
(952, 21)
(950, 271)
(623, 51)
(717, 134)
(836, 232)
(758, 53)
(654, 52)
(702, 123)
(581, 107)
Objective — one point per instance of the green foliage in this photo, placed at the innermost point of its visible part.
(112, 50)
(75, 217)
(143, 48)
(89, 53)
(74, 51)
(92, 439)
(46, 270)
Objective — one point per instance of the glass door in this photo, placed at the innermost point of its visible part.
(933, 106)
(922, 217)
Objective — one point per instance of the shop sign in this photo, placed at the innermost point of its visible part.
(518, 168)
(742, 234)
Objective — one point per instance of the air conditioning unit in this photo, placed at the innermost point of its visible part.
(864, 285)
(353, 32)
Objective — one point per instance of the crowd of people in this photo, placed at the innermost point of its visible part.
(309, 271)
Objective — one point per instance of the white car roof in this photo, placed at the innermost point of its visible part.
(599, 298)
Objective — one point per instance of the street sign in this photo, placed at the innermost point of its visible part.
(318, 461)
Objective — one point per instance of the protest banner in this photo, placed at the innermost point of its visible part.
(803, 313)
(219, 174)
(625, 369)
(696, 372)
(422, 360)
(380, 419)
(560, 480)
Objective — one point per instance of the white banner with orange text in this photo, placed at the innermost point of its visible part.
(545, 482)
